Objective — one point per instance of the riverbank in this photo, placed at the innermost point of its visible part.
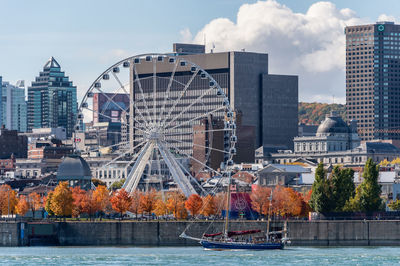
(166, 233)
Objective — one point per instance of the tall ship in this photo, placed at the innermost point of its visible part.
(250, 238)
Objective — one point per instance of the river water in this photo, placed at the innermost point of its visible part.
(197, 256)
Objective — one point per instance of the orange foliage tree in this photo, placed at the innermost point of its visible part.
(148, 201)
(260, 199)
(81, 201)
(135, 203)
(8, 200)
(121, 201)
(62, 201)
(286, 202)
(160, 207)
(193, 204)
(22, 206)
(209, 206)
(34, 202)
(176, 205)
(101, 197)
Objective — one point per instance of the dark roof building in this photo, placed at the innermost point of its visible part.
(75, 170)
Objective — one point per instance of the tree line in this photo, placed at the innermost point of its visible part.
(65, 201)
(338, 193)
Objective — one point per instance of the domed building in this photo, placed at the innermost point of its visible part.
(336, 143)
(75, 170)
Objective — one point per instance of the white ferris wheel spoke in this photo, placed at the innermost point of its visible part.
(137, 79)
(176, 171)
(143, 129)
(166, 96)
(130, 99)
(114, 145)
(136, 172)
(123, 154)
(194, 119)
(154, 89)
(160, 175)
(189, 106)
(184, 153)
(198, 131)
(180, 96)
(191, 177)
(198, 145)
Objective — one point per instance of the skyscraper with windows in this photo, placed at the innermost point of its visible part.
(14, 115)
(52, 99)
(373, 79)
(1, 101)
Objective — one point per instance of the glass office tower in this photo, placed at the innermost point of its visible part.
(52, 100)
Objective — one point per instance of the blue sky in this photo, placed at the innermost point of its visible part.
(88, 36)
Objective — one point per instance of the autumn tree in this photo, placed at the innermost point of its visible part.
(101, 197)
(62, 201)
(121, 201)
(176, 205)
(8, 200)
(34, 202)
(135, 202)
(209, 206)
(148, 201)
(47, 206)
(22, 206)
(394, 205)
(160, 207)
(81, 201)
(260, 199)
(193, 204)
(220, 201)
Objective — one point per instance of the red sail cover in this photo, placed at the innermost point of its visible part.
(212, 235)
(234, 233)
(239, 233)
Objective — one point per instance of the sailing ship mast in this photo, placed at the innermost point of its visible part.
(269, 214)
(228, 203)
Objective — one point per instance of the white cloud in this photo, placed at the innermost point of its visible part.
(186, 35)
(384, 17)
(311, 44)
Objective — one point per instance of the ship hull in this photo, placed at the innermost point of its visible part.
(216, 245)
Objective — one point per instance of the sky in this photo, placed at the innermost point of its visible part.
(302, 37)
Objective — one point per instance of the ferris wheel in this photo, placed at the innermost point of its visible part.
(173, 120)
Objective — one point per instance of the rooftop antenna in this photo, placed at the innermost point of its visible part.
(333, 98)
(213, 47)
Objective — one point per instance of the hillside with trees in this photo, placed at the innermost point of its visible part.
(314, 113)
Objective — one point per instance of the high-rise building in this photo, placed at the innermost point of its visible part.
(52, 99)
(107, 111)
(14, 115)
(373, 79)
(268, 104)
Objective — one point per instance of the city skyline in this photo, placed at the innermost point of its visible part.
(102, 42)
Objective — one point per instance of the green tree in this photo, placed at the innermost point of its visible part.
(321, 197)
(367, 197)
(117, 184)
(343, 187)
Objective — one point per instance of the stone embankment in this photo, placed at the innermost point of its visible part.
(166, 233)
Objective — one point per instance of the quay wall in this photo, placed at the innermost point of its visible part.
(166, 233)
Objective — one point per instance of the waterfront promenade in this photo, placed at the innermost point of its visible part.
(166, 233)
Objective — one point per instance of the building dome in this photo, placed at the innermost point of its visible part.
(73, 167)
(333, 124)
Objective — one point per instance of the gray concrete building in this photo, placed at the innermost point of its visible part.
(335, 143)
(267, 103)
